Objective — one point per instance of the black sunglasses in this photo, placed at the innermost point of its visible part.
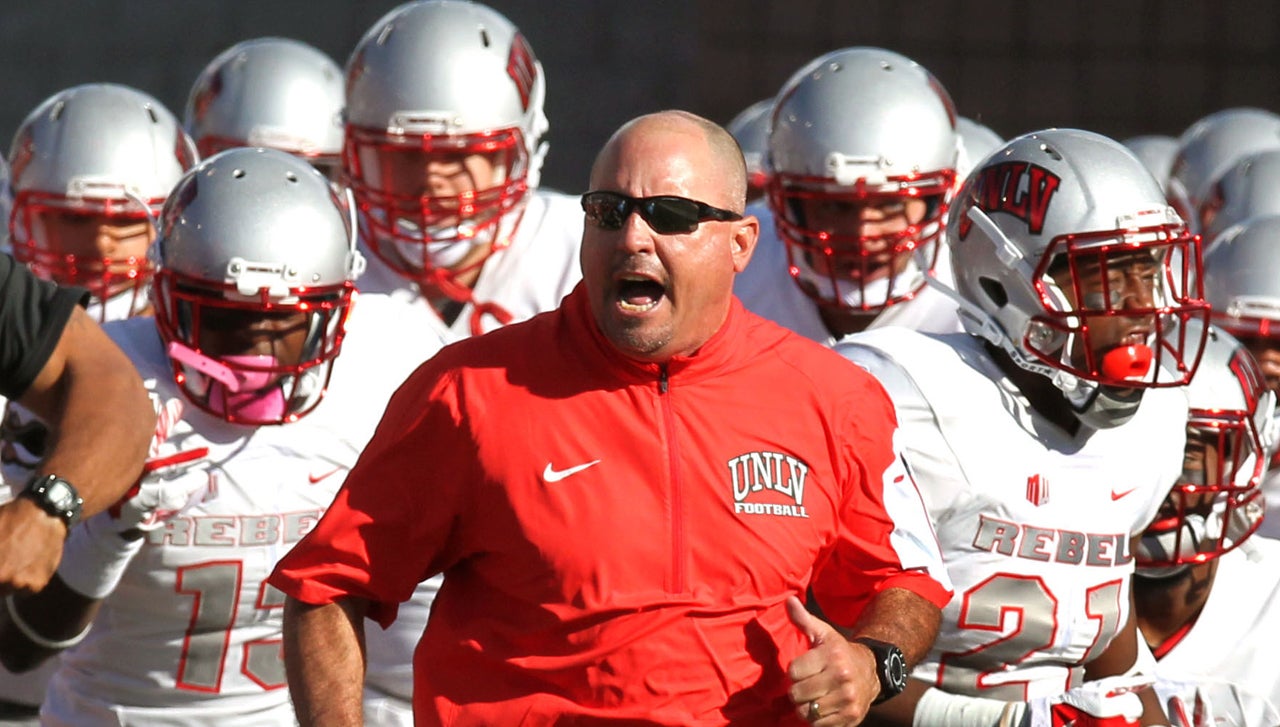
(666, 215)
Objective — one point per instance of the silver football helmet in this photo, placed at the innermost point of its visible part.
(1249, 188)
(853, 131)
(432, 87)
(1216, 503)
(270, 92)
(976, 142)
(1209, 147)
(1242, 279)
(91, 167)
(1156, 152)
(750, 128)
(254, 244)
(1068, 257)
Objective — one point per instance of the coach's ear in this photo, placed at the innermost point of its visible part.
(743, 237)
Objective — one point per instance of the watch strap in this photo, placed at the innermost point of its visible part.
(891, 667)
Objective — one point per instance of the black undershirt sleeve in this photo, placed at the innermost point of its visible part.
(33, 313)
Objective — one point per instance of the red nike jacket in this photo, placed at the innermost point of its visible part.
(619, 538)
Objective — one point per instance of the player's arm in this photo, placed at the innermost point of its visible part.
(34, 628)
(325, 660)
(95, 557)
(100, 423)
(101, 419)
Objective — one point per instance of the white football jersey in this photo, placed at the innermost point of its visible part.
(192, 634)
(1228, 656)
(529, 276)
(767, 289)
(1034, 523)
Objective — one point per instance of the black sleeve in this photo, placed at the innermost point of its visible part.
(33, 313)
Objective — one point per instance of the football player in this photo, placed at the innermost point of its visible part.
(1208, 148)
(1242, 285)
(1249, 188)
(977, 140)
(161, 602)
(90, 168)
(92, 165)
(444, 145)
(1201, 580)
(863, 150)
(1072, 275)
(270, 92)
(443, 151)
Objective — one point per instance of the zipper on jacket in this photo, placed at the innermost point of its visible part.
(677, 494)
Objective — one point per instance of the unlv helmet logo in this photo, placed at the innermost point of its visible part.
(523, 68)
(1016, 188)
(1252, 381)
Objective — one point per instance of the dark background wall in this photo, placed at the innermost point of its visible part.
(1121, 68)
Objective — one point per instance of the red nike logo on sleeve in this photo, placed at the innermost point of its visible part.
(315, 478)
(1117, 495)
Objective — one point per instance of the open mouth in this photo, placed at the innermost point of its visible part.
(1136, 337)
(639, 294)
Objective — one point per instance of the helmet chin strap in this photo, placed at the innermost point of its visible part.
(1104, 407)
(1107, 407)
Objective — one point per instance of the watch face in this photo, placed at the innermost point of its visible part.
(58, 498)
(897, 668)
(59, 493)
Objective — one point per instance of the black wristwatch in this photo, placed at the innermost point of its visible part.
(57, 497)
(891, 667)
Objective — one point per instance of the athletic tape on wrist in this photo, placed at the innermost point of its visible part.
(26, 630)
(937, 707)
(95, 557)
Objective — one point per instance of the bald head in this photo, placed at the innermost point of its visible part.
(723, 156)
(658, 292)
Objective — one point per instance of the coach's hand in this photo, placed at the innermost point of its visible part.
(835, 681)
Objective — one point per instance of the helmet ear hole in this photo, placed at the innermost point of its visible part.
(994, 291)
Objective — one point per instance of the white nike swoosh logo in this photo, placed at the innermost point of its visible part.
(553, 475)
